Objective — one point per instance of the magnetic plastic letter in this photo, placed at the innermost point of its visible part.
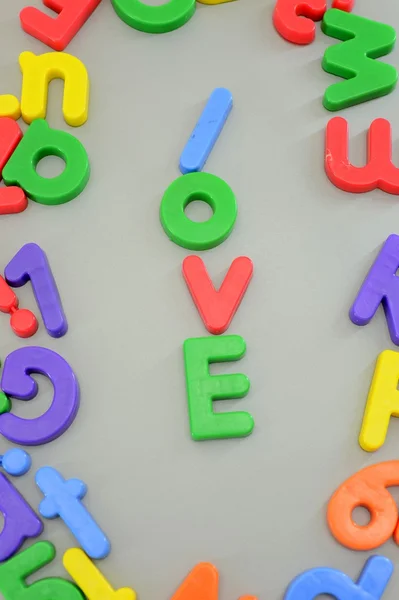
(22, 321)
(30, 263)
(38, 142)
(213, 1)
(367, 488)
(16, 462)
(12, 199)
(217, 308)
(20, 522)
(14, 572)
(58, 32)
(62, 498)
(90, 579)
(379, 171)
(206, 131)
(10, 106)
(201, 584)
(38, 71)
(382, 402)
(371, 584)
(154, 19)
(16, 381)
(198, 186)
(203, 389)
(363, 41)
(294, 19)
(290, 22)
(381, 286)
(346, 5)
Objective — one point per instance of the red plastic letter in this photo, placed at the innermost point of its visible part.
(12, 199)
(217, 308)
(294, 19)
(379, 171)
(289, 21)
(345, 5)
(58, 32)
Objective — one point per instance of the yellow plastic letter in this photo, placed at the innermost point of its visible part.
(90, 580)
(382, 401)
(38, 71)
(10, 107)
(213, 1)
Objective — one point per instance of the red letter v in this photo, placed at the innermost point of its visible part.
(217, 308)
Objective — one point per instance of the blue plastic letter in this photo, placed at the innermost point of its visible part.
(62, 498)
(206, 131)
(370, 586)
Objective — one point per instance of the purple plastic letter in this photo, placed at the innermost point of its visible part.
(17, 383)
(381, 286)
(20, 522)
(30, 262)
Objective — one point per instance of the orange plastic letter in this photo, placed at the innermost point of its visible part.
(366, 488)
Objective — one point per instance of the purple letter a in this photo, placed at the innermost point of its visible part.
(381, 286)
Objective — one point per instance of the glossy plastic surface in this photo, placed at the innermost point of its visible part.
(154, 19)
(382, 402)
(367, 488)
(12, 199)
(381, 286)
(57, 32)
(16, 382)
(39, 71)
(31, 264)
(16, 462)
(38, 142)
(20, 521)
(14, 572)
(217, 307)
(363, 41)
(189, 234)
(90, 579)
(203, 389)
(371, 584)
(206, 131)
(379, 172)
(63, 499)
(294, 19)
(23, 322)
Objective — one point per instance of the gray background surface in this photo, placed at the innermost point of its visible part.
(254, 507)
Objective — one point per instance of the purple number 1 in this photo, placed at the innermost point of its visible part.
(30, 263)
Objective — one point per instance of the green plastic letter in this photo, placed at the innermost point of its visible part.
(14, 571)
(154, 19)
(363, 41)
(38, 142)
(198, 186)
(203, 388)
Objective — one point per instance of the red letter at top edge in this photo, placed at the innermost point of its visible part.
(379, 172)
(57, 32)
(294, 19)
(217, 308)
